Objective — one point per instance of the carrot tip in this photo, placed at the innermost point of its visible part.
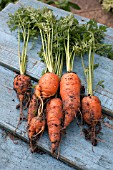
(63, 130)
(52, 151)
(33, 146)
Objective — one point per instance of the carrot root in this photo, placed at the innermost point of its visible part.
(54, 117)
(48, 85)
(22, 86)
(36, 126)
(70, 86)
(35, 131)
(92, 113)
(91, 109)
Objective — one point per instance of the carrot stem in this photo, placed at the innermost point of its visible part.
(89, 72)
(23, 56)
(47, 40)
(69, 55)
(19, 50)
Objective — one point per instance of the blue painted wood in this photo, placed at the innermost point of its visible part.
(74, 149)
(15, 154)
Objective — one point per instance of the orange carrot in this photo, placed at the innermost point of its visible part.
(54, 117)
(22, 86)
(70, 86)
(22, 83)
(47, 85)
(36, 122)
(91, 109)
(35, 130)
(36, 127)
(92, 113)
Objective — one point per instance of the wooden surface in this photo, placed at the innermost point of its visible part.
(15, 155)
(75, 150)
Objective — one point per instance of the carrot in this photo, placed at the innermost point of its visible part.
(70, 83)
(92, 113)
(51, 55)
(47, 85)
(32, 110)
(54, 117)
(36, 126)
(22, 83)
(36, 121)
(70, 86)
(22, 86)
(91, 109)
(91, 105)
(36, 129)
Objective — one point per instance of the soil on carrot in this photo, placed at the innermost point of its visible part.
(93, 9)
(91, 133)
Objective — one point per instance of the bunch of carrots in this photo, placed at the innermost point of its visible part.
(56, 98)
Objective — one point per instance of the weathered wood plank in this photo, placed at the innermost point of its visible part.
(75, 150)
(15, 154)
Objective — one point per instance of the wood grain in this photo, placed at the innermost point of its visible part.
(14, 154)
